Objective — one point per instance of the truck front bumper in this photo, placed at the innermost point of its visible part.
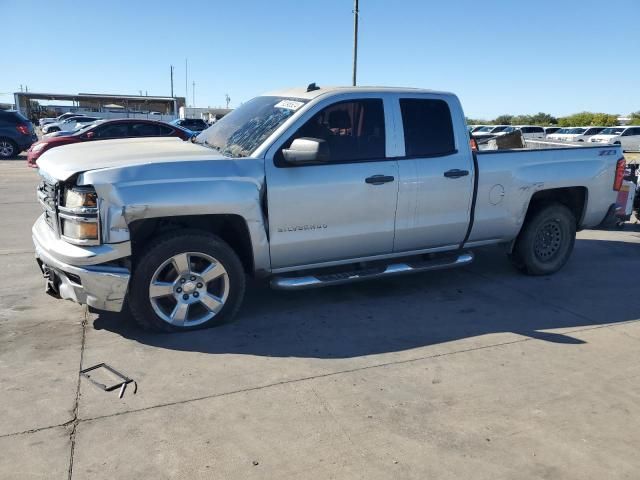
(78, 273)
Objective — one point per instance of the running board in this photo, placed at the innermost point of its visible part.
(323, 280)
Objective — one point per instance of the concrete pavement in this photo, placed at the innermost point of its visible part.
(473, 373)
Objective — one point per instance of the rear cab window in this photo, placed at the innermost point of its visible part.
(428, 127)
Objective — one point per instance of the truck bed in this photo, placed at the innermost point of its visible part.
(508, 179)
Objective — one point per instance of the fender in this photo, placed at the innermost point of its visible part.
(173, 189)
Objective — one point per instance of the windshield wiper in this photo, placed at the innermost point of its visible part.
(212, 146)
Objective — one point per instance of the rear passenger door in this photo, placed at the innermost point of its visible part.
(144, 129)
(112, 130)
(436, 174)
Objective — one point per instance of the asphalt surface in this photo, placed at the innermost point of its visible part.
(474, 373)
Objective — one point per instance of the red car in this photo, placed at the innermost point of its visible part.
(108, 129)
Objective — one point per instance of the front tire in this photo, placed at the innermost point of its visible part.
(184, 281)
(546, 240)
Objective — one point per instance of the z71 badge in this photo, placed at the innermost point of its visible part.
(302, 227)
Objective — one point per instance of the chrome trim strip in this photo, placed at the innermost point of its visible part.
(78, 219)
(79, 210)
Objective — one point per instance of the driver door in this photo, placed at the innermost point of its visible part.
(343, 208)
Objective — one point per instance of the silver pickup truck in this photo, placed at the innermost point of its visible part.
(310, 187)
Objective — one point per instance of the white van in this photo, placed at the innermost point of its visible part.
(531, 131)
(628, 137)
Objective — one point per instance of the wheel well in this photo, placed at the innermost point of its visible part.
(574, 198)
(230, 228)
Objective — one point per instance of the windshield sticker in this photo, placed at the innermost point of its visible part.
(289, 105)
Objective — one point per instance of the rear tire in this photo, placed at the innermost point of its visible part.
(8, 149)
(186, 280)
(546, 241)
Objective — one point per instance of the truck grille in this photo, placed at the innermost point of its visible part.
(48, 195)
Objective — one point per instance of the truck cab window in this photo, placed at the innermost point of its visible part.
(428, 129)
(353, 131)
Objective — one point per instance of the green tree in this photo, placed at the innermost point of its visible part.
(635, 118)
(586, 119)
(504, 119)
(476, 121)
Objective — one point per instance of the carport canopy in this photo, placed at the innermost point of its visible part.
(97, 102)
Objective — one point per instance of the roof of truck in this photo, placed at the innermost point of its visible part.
(303, 92)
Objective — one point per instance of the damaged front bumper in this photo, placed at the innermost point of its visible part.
(78, 273)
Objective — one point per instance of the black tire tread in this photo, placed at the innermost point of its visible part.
(521, 256)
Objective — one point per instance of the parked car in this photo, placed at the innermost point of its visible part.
(628, 137)
(474, 128)
(550, 130)
(105, 130)
(494, 130)
(192, 217)
(582, 134)
(74, 124)
(560, 134)
(193, 124)
(64, 116)
(16, 133)
(531, 131)
(56, 126)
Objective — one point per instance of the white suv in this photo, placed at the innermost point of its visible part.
(628, 137)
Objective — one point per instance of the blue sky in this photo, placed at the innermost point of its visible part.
(499, 56)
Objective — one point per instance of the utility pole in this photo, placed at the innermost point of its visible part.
(227, 99)
(186, 83)
(171, 80)
(193, 92)
(355, 40)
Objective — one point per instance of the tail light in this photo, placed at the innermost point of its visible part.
(473, 143)
(620, 168)
(23, 129)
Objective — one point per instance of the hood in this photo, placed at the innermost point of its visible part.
(67, 160)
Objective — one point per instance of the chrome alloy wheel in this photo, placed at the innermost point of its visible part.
(189, 289)
(6, 149)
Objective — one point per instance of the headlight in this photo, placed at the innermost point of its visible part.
(78, 198)
(79, 222)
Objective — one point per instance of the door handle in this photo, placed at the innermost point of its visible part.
(455, 173)
(379, 179)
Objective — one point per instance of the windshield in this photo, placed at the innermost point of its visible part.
(484, 129)
(577, 131)
(612, 131)
(241, 132)
(501, 129)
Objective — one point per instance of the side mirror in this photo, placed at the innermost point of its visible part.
(307, 150)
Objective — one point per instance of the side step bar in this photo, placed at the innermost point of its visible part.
(323, 280)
